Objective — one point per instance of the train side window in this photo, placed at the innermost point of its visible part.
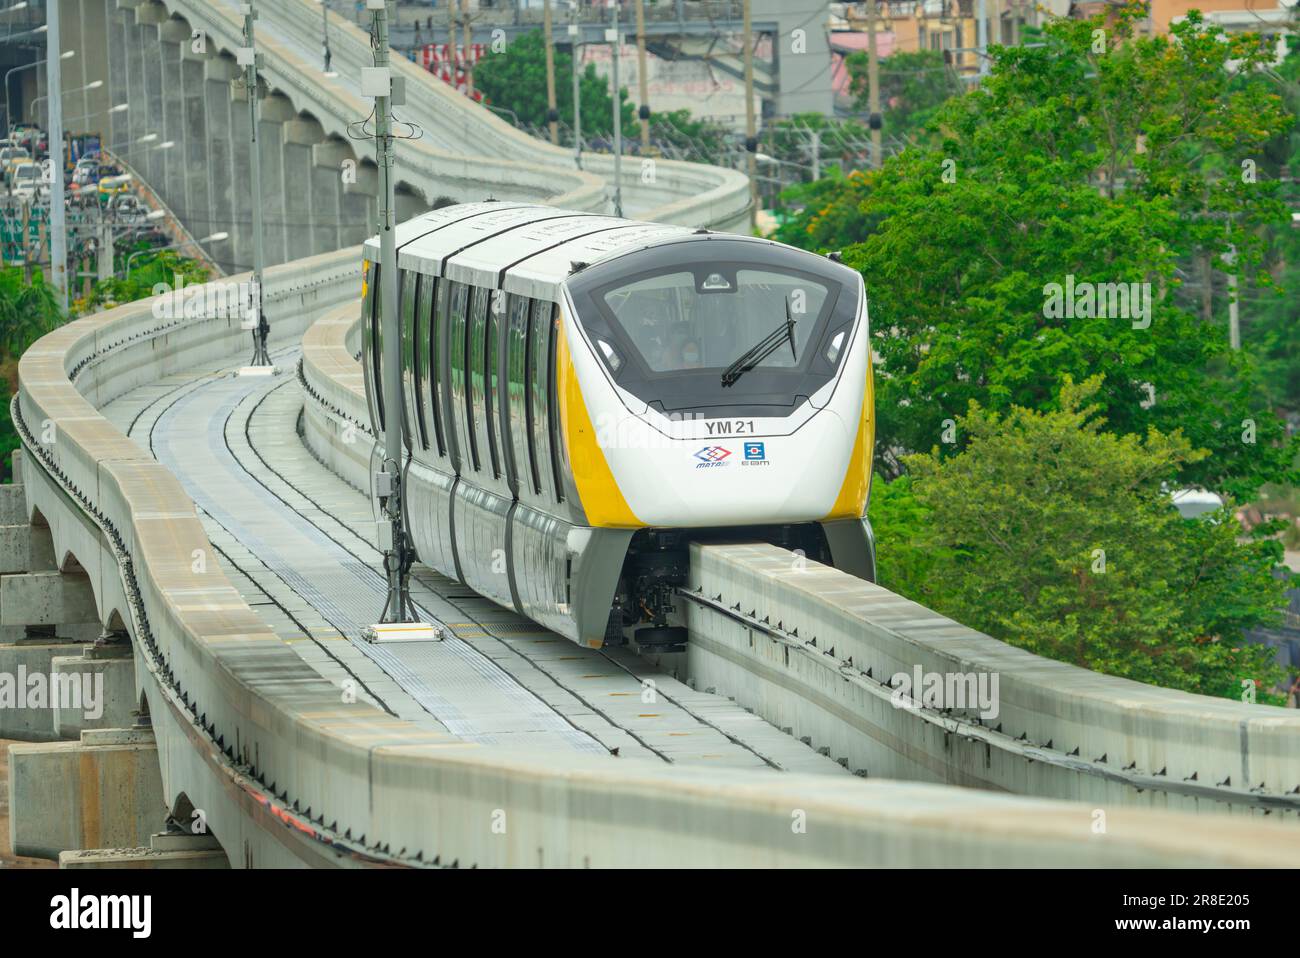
(406, 296)
(424, 286)
(457, 340)
(539, 336)
(490, 378)
(436, 309)
(376, 342)
(474, 369)
(553, 406)
(517, 388)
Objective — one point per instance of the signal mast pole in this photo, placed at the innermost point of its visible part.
(398, 555)
(248, 57)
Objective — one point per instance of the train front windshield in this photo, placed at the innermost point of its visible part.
(723, 327)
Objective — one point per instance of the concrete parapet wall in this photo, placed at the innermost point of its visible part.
(820, 647)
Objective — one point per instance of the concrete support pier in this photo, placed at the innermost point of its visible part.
(104, 791)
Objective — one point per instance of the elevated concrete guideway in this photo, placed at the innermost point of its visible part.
(240, 666)
(174, 62)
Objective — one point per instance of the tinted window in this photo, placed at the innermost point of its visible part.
(669, 321)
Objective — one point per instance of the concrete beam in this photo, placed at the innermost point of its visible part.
(102, 792)
(25, 700)
(46, 598)
(175, 30)
(151, 13)
(105, 676)
(166, 850)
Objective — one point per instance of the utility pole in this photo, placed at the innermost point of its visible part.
(552, 116)
(751, 126)
(1234, 325)
(642, 81)
(247, 57)
(469, 45)
(618, 117)
(397, 558)
(325, 32)
(574, 34)
(982, 34)
(58, 215)
(875, 121)
(817, 154)
(104, 246)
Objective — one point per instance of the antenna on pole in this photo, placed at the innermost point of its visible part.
(255, 319)
(398, 622)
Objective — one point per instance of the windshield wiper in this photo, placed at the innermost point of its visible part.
(762, 349)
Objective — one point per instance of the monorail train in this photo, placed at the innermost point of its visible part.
(585, 395)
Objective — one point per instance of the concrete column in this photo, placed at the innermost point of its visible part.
(301, 211)
(138, 116)
(194, 144)
(117, 129)
(149, 160)
(224, 205)
(410, 203)
(329, 231)
(73, 71)
(173, 36)
(95, 48)
(360, 204)
(102, 792)
(275, 112)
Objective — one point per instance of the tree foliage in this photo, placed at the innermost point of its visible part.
(515, 79)
(913, 85)
(1056, 536)
(1110, 162)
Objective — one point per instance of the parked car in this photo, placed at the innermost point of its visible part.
(10, 157)
(26, 180)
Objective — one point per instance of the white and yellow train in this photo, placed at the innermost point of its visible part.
(585, 395)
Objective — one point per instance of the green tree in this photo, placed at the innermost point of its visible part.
(1118, 166)
(147, 271)
(1055, 536)
(27, 312)
(827, 214)
(912, 87)
(515, 80)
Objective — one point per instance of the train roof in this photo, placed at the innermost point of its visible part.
(523, 249)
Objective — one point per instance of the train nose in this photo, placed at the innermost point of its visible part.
(737, 480)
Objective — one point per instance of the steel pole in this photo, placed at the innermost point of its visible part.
(390, 330)
(58, 215)
(574, 31)
(751, 125)
(260, 356)
(618, 122)
(982, 34)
